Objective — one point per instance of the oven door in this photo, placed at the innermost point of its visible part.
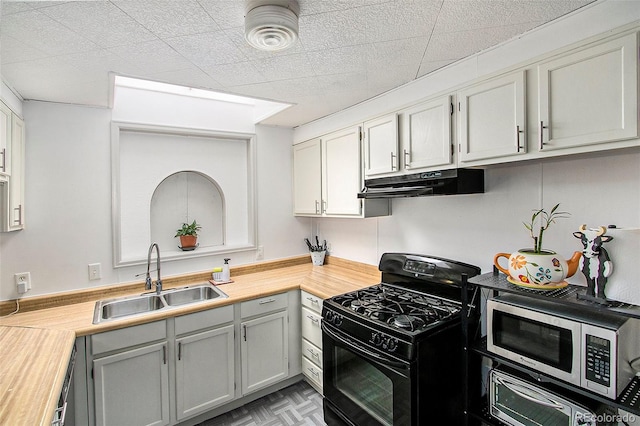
(363, 386)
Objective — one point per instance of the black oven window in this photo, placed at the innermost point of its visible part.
(533, 339)
(365, 385)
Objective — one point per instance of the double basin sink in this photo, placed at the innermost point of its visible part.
(124, 307)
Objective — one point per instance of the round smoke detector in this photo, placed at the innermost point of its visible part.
(271, 27)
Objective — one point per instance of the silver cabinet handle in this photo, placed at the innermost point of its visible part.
(313, 353)
(542, 127)
(518, 131)
(264, 302)
(312, 300)
(324, 207)
(313, 319)
(393, 162)
(19, 220)
(3, 165)
(407, 159)
(314, 372)
(317, 206)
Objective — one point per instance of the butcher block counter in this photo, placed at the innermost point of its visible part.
(35, 344)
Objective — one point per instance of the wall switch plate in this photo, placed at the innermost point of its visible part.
(95, 271)
(23, 281)
(260, 253)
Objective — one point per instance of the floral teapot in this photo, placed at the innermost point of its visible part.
(543, 270)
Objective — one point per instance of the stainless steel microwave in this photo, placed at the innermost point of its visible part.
(590, 349)
(520, 403)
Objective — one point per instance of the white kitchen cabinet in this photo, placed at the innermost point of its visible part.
(132, 387)
(205, 367)
(425, 135)
(5, 138)
(492, 119)
(589, 96)
(327, 177)
(312, 339)
(264, 346)
(12, 152)
(307, 178)
(380, 145)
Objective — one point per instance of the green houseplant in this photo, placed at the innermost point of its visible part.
(537, 267)
(188, 234)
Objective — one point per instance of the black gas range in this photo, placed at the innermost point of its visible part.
(392, 352)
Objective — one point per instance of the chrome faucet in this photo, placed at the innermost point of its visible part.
(148, 281)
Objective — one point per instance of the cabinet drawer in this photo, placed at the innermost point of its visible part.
(312, 372)
(312, 352)
(263, 305)
(310, 301)
(128, 337)
(311, 327)
(205, 319)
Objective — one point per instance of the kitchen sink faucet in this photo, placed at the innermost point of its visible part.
(148, 281)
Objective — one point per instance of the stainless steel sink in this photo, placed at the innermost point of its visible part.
(126, 306)
(188, 295)
(111, 309)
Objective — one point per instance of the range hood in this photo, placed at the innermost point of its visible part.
(439, 182)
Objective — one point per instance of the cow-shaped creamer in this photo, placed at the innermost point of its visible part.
(596, 264)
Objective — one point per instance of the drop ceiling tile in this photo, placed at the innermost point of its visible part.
(314, 7)
(333, 29)
(340, 83)
(37, 30)
(447, 46)
(427, 67)
(191, 77)
(235, 74)
(397, 52)
(13, 50)
(401, 19)
(227, 14)
(101, 22)
(207, 49)
(167, 18)
(339, 60)
(284, 67)
(9, 7)
(390, 76)
(151, 56)
(32, 79)
(99, 63)
(295, 87)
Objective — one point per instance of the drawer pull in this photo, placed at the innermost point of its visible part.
(313, 353)
(312, 300)
(314, 372)
(264, 302)
(314, 319)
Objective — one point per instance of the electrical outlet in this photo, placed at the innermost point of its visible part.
(95, 271)
(23, 282)
(260, 253)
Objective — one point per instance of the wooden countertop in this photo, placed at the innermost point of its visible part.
(35, 345)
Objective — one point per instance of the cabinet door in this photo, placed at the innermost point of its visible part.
(5, 139)
(265, 351)
(307, 179)
(16, 182)
(204, 371)
(381, 145)
(590, 96)
(132, 387)
(492, 118)
(341, 172)
(426, 135)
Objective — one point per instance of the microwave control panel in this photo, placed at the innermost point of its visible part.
(598, 360)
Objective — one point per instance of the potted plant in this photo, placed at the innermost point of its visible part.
(538, 267)
(188, 234)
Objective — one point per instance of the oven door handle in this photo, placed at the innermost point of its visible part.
(372, 356)
(521, 393)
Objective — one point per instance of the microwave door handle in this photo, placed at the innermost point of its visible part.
(512, 387)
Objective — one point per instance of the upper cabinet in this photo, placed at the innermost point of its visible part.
(327, 177)
(425, 135)
(381, 145)
(492, 118)
(589, 96)
(12, 154)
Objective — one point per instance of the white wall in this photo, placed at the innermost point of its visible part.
(68, 204)
(599, 189)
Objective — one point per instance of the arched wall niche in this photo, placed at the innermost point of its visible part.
(183, 197)
(151, 164)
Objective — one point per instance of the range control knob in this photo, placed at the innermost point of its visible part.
(392, 344)
(337, 320)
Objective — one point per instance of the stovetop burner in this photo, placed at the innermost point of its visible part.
(399, 308)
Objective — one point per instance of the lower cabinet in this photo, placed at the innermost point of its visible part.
(172, 371)
(264, 346)
(132, 387)
(312, 339)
